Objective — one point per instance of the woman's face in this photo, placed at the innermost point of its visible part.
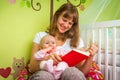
(64, 24)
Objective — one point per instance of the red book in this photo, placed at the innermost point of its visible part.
(75, 56)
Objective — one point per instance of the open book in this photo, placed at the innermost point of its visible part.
(75, 56)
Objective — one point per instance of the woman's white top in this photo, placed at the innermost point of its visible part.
(66, 46)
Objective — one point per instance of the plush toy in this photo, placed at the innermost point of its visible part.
(95, 73)
(17, 66)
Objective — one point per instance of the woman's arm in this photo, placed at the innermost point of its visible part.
(34, 64)
(87, 64)
(85, 67)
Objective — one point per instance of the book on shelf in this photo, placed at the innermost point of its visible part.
(75, 56)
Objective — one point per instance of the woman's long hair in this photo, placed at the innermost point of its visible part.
(70, 12)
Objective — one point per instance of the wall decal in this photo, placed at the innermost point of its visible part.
(37, 4)
(25, 3)
(79, 4)
(5, 72)
(17, 66)
(12, 1)
(82, 7)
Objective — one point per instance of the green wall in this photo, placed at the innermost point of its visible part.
(18, 26)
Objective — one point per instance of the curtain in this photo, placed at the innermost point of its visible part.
(100, 10)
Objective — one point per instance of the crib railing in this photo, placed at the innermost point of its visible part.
(105, 35)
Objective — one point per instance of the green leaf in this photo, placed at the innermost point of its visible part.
(83, 1)
(58, 0)
(22, 3)
(28, 4)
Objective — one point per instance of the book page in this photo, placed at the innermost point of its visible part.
(82, 52)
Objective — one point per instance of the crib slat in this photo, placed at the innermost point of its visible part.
(114, 53)
(86, 38)
(99, 46)
(106, 53)
(93, 36)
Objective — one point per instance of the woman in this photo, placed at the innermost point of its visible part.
(65, 28)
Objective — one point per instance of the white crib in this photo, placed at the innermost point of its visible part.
(107, 36)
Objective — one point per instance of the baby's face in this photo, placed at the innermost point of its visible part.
(49, 41)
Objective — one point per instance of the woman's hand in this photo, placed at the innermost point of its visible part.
(93, 49)
(56, 58)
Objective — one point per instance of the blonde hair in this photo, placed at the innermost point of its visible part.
(43, 39)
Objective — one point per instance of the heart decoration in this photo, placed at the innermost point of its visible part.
(5, 72)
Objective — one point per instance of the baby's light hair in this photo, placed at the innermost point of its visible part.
(42, 40)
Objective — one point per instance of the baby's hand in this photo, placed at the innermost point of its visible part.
(56, 58)
(48, 50)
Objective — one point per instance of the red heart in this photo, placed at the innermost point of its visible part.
(5, 72)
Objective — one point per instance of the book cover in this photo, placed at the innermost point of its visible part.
(75, 56)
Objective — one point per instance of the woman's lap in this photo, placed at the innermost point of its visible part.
(70, 73)
(41, 75)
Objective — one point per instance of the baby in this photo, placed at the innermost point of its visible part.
(47, 47)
